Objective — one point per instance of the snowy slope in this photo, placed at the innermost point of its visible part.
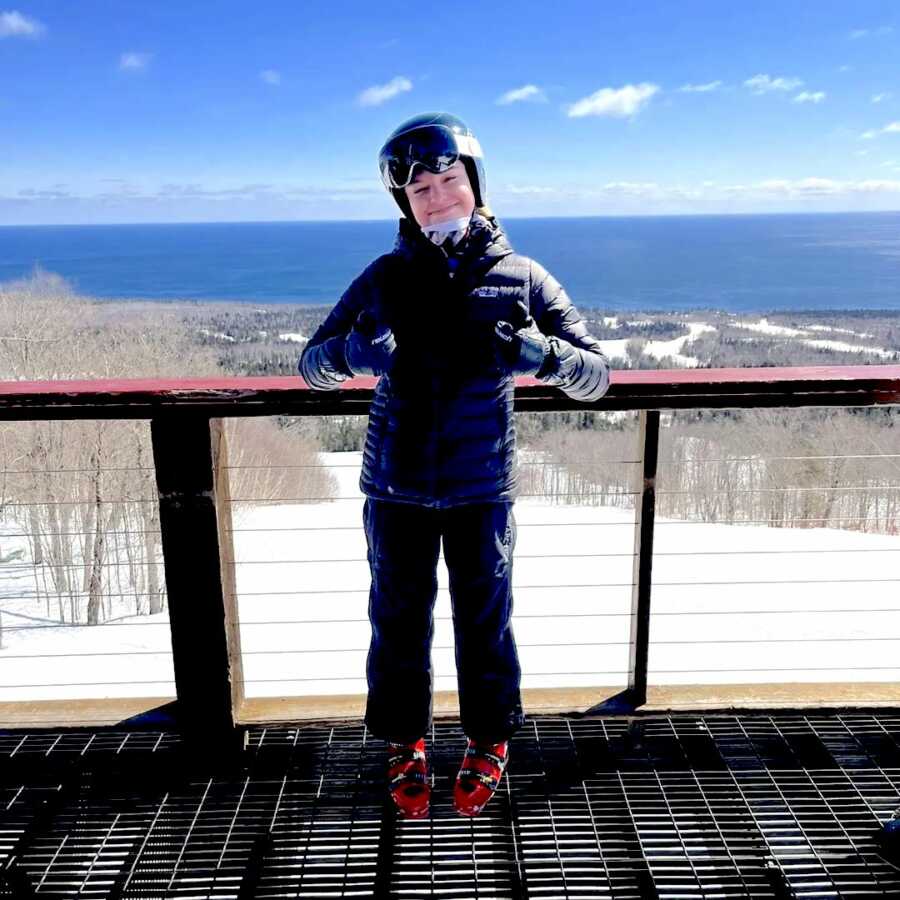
(731, 605)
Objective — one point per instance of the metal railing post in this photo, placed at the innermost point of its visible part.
(194, 514)
(644, 515)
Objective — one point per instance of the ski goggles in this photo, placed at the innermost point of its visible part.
(434, 147)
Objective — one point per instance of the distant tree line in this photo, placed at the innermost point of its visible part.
(246, 339)
(817, 468)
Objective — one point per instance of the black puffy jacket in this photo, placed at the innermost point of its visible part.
(441, 429)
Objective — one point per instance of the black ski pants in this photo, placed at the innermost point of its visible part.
(404, 544)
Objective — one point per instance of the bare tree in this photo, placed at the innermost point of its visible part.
(84, 492)
(785, 468)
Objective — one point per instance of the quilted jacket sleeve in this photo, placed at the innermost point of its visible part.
(575, 363)
(323, 363)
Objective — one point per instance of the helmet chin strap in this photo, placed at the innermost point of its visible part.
(453, 229)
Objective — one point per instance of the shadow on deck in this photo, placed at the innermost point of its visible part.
(755, 805)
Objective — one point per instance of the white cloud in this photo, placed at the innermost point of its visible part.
(878, 98)
(765, 84)
(873, 186)
(700, 88)
(115, 200)
(632, 188)
(845, 68)
(134, 61)
(858, 33)
(14, 24)
(270, 76)
(379, 93)
(528, 189)
(803, 186)
(890, 128)
(526, 92)
(622, 103)
(810, 97)
(816, 187)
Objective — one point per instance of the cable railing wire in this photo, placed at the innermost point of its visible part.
(596, 615)
(358, 527)
(516, 616)
(57, 625)
(758, 459)
(523, 463)
(88, 653)
(36, 472)
(105, 566)
(357, 498)
(622, 555)
(542, 587)
(118, 532)
(28, 567)
(519, 464)
(74, 684)
(303, 651)
(661, 522)
(592, 672)
(822, 489)
(599, 584)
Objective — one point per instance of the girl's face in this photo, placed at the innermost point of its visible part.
(437, 198)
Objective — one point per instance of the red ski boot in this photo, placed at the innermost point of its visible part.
(478, 778)
(408, 778)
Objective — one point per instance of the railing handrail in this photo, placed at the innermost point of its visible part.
(143, 398)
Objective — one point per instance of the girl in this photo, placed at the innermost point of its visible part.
(447, 319)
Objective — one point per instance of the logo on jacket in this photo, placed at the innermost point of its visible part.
(486, 292)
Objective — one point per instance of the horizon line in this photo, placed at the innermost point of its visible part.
(686, 215)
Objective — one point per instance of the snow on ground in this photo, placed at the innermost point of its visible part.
(849, 348)
(218, 335)
(611, 321)
(614, 349)
(763, 326)
(293, 336)
(730, 605)
(834, 330)
(673, 348)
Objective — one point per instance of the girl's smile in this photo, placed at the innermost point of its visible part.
(438, 197)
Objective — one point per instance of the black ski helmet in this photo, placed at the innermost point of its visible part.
(435, 141)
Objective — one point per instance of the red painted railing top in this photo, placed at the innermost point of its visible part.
(629, 389)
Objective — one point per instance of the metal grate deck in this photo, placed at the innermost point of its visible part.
(686, 806)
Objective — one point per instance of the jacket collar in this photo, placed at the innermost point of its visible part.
(484, 242)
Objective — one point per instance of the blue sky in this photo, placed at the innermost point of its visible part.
(127, 111)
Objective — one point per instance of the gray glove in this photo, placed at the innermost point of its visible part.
(581, 374)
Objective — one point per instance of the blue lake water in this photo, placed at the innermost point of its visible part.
(733, 263)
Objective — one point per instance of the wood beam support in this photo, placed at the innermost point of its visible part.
(644, 519)
(194, 512)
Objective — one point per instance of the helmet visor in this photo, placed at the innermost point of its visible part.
(435, 148)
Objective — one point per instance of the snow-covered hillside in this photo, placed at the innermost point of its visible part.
(731, 604)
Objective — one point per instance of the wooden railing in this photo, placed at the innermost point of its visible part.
(189, 457)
